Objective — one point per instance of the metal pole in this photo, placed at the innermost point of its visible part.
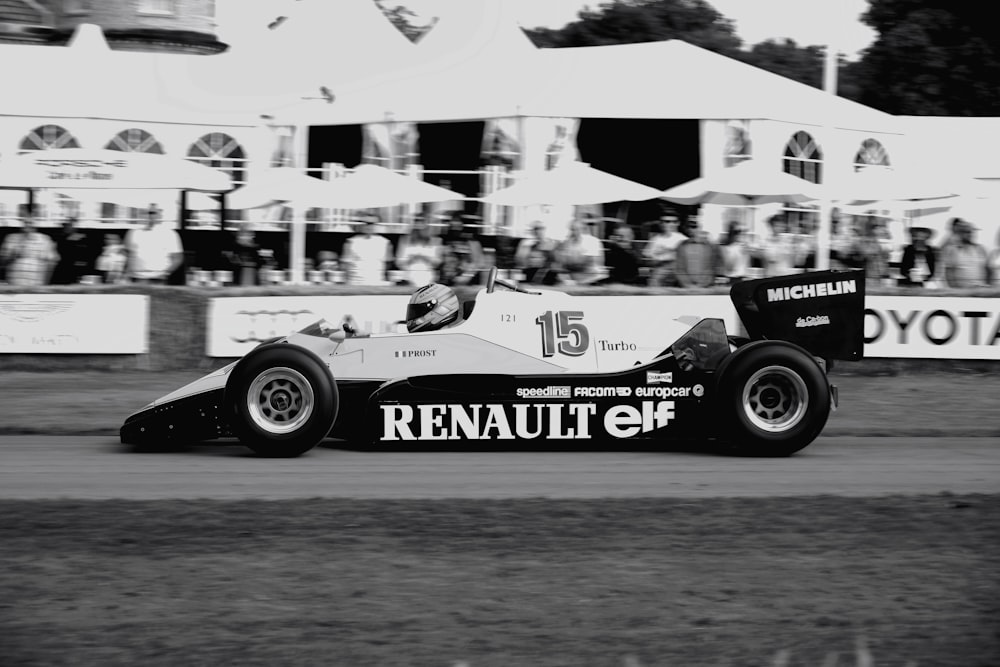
(823, 231)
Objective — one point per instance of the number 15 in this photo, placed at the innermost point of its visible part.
(573, 335)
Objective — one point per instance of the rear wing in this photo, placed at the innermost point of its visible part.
(822, 311)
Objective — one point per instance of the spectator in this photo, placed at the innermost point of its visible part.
(994, 264)
(418, 254)
(112, 261)
(327, 262)
(661, 252)
(871, 252)
(782, 250)
(736, 253)
(919, 259)
(74, 254)
(245, 258)
(367, 254)
(581, 255)
(843, 238)
(536, 257)
(698, 259)
(622, 258)
(462, 258)
(28, 256)
(965, 261)
(154, 251)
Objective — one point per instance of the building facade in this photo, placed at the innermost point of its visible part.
(172, 26)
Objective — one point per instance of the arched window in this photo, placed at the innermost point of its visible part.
(132, 140)
(135, 140)
(220, 151)
(738, 145)
(803, 158)
(871, 154)
(48, 136)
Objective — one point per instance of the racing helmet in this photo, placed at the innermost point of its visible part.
(431, 307)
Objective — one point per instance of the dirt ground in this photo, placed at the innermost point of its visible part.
(94, 402)
(498, 583)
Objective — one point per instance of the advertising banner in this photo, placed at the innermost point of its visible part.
(74, 323)
(236, 325)
(917, 327)
(928, 327)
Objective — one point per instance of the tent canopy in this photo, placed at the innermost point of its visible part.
(80, 168)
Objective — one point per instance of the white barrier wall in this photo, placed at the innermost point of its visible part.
(918, 327)
(74, 323)
(932, 328)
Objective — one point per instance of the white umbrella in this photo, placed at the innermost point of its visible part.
(882, 185)
(371, 186)
(86, 169)
(745, 184)
(575, 183)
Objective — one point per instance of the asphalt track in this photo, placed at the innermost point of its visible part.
(98, 467)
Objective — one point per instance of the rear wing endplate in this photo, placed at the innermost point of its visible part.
(822, 311)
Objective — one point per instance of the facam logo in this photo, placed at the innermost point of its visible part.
(811, 291)
(652, 377)
(491, 421)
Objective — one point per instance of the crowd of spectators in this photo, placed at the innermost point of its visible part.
(672, 251)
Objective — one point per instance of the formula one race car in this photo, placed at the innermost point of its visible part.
(537, 366)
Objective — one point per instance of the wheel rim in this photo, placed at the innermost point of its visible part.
(280, 400)
(775, 399)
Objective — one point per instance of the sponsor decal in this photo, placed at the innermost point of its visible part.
(812, 291)
(32, 311)
(812, 321)
(259, 325)
(491, 421)
(663, 392)
(937, 327)
(653, 377)
(415, 354)
(543, 392)
(698, 390)
(83, 164)
(603, 392)
(616, 346)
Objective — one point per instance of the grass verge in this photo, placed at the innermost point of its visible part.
(490, 583)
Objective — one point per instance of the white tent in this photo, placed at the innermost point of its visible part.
(674, 79)
(473, 64)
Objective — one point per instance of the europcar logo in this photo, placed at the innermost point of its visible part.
(653, 377)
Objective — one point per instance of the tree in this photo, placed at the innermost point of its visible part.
(932, 57)
(800, 63)
(402, 18)
(627, 21)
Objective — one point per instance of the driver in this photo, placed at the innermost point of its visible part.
(432, 307)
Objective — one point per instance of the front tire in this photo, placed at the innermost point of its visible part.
(775, 399)
(281, 399)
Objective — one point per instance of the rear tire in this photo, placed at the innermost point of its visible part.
(775, 399)
(281, 399)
